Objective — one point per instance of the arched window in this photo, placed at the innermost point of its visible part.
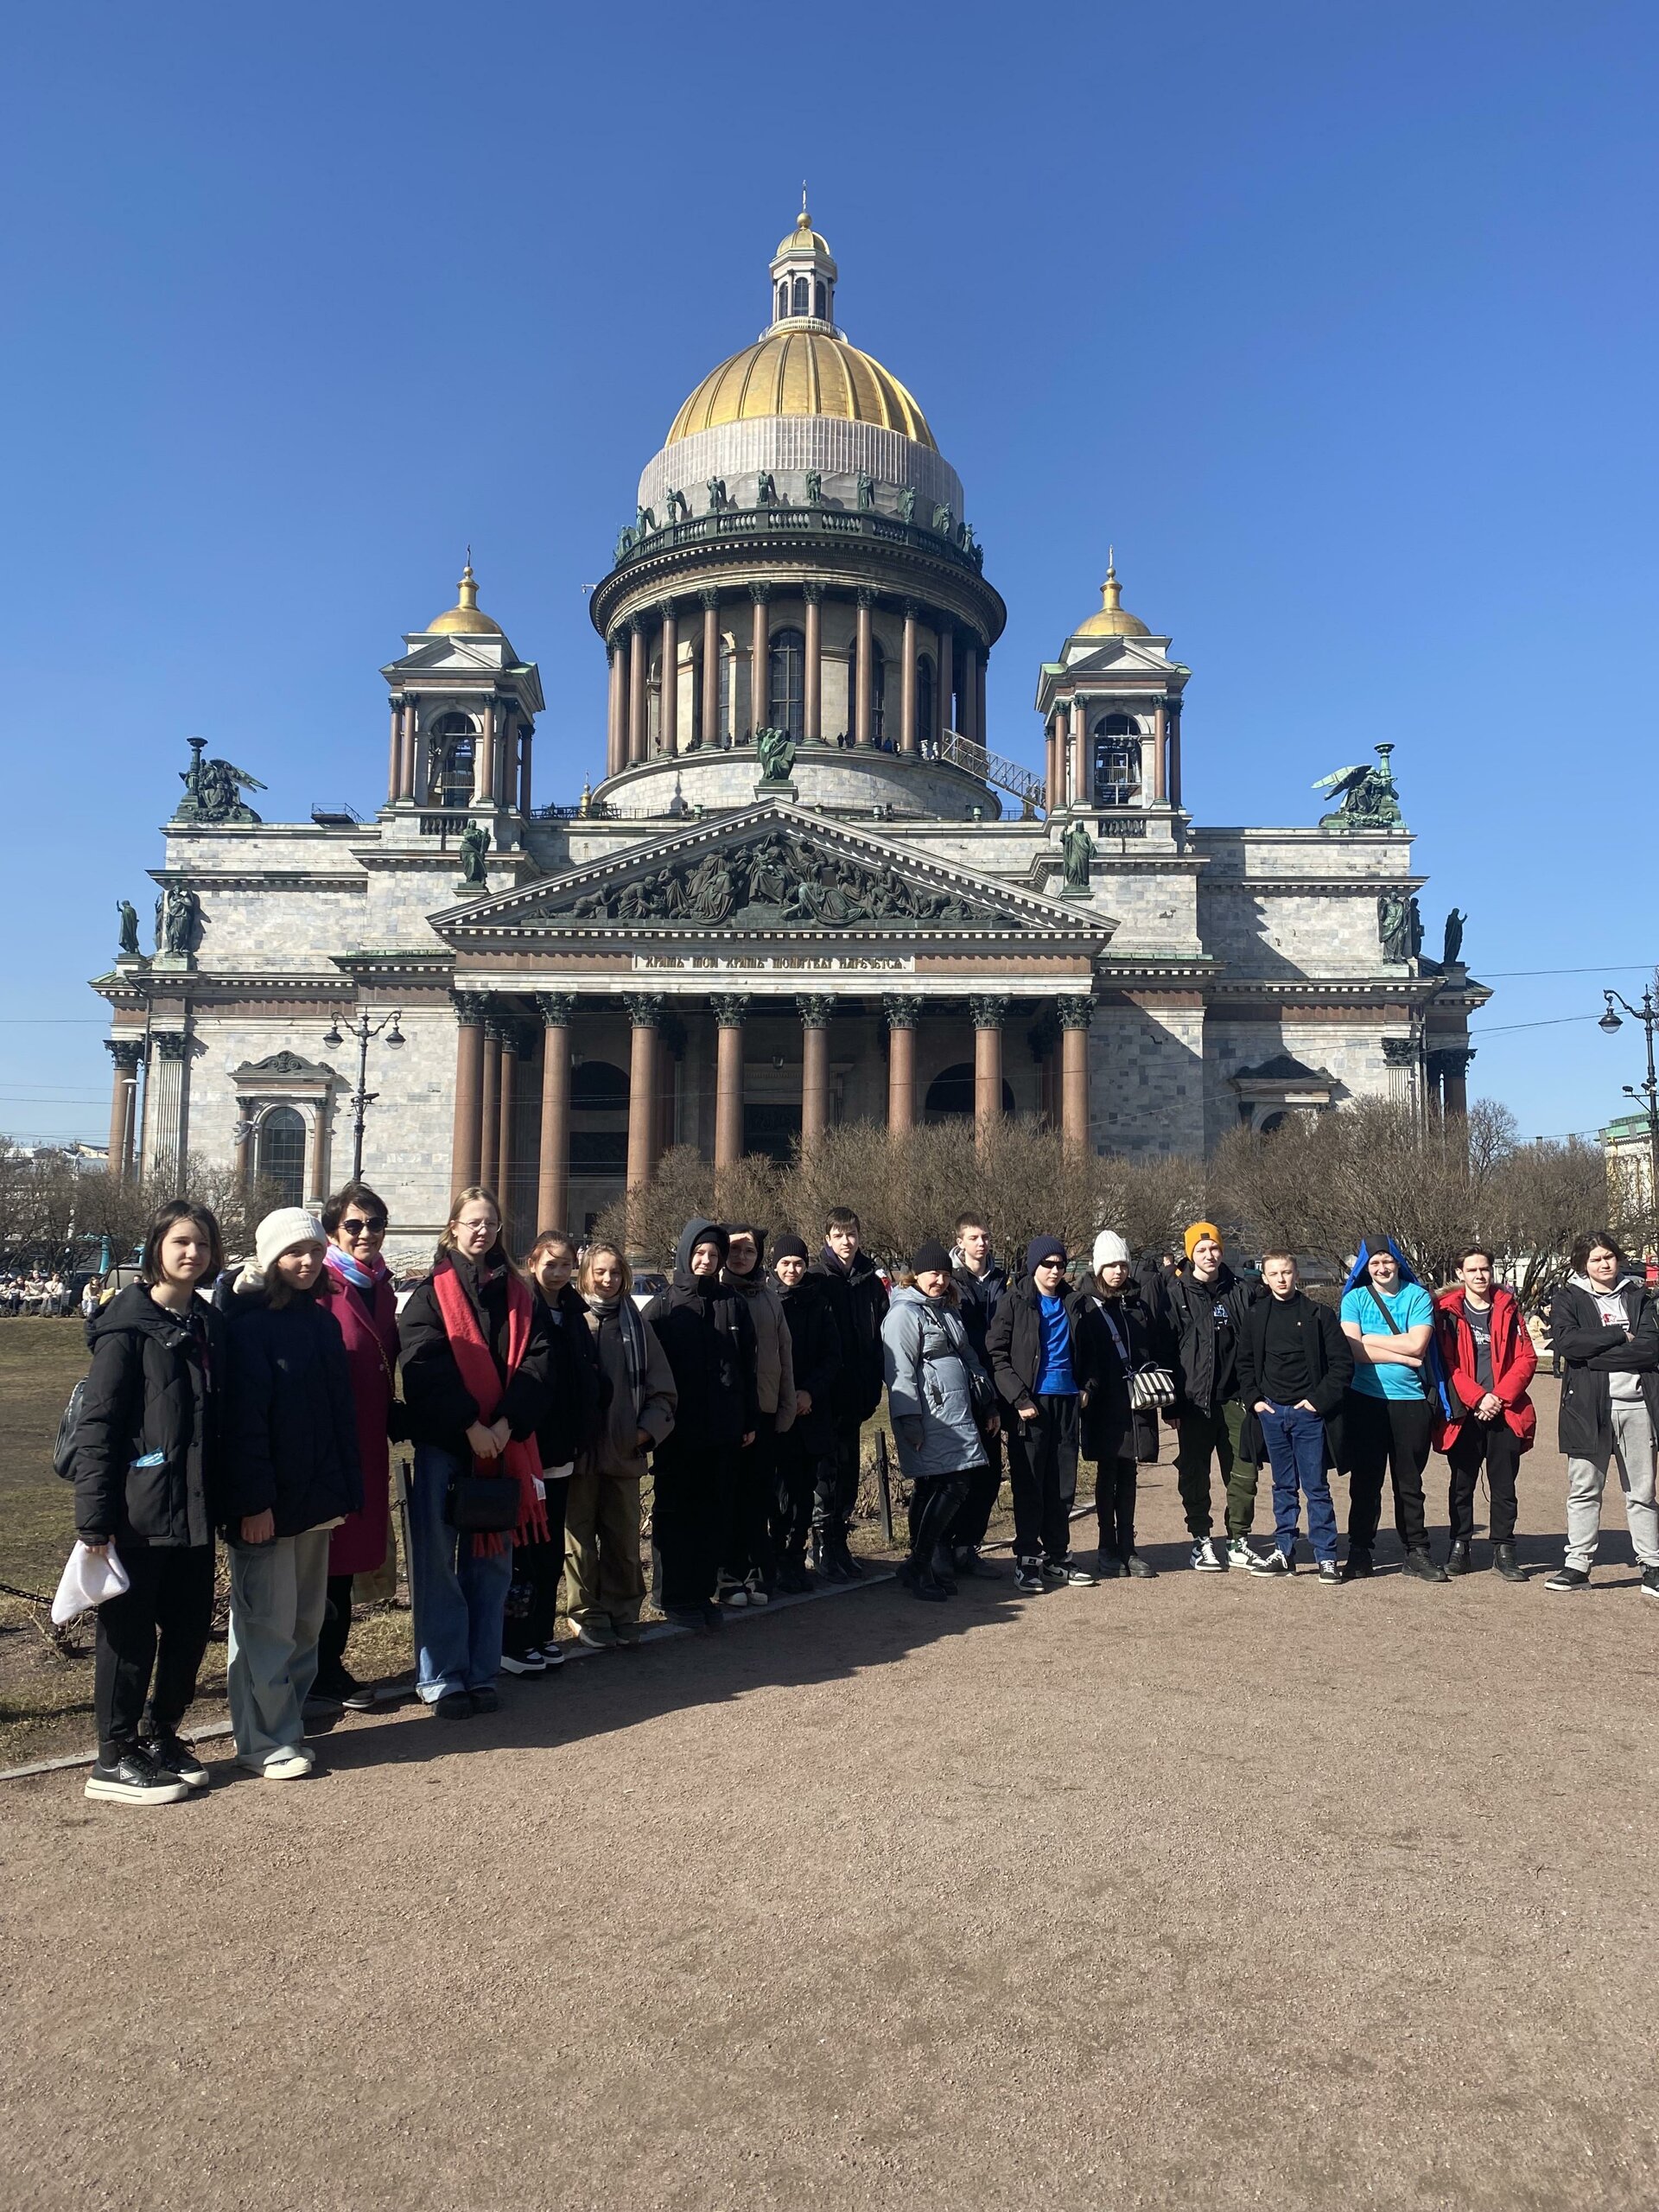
(926, 712)
(820, 300)
(787, 677)
(1117, 761)
(452, 745)
(280, 1159)
(950, 1094)
(598, 1121)
(802, 296)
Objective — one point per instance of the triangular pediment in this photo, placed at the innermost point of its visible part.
(773, 869)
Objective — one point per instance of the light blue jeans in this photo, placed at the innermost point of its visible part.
(279, 1593)
(459, 1595)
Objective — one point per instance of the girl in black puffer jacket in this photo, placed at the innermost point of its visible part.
(147, 1464)
(292, 1474)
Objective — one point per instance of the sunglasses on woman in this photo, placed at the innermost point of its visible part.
(375, 1226)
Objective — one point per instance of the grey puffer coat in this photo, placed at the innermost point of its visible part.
(930, 1366)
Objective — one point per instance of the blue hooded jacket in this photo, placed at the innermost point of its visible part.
(1435, 1386)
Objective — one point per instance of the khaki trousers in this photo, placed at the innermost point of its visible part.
(605, 1578)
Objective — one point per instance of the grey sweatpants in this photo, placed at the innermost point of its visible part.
(279, 1593)
(1633, 1450)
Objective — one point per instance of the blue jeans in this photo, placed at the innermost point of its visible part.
(1295, 1442)
(459, 1595)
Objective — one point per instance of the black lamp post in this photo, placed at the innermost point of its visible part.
(1646, 1093)
(362, 1098)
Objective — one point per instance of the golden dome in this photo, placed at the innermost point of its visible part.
(1113, 620)
(799, 371)
(466, 615)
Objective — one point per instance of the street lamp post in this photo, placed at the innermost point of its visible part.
(362, 1098)
(1647, 1093)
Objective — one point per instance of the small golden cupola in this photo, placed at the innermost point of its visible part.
(1113, 620)
(804, 275)
(466, 617)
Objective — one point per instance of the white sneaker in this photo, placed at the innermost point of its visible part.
(1240, 1552)
(531, 1663)
(1205, 1556)
(758, 1593)
(731, 1594)
(290, 1765)
(554, 1653)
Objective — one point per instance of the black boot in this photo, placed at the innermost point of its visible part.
(1457, 1561)
(1504, 1561)
(826, 1559)
(942, 1568)
(1358, 1568)
(851, 1569)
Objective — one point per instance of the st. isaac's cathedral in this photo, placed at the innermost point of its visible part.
(809, 889)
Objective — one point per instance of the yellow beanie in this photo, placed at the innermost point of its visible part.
(1200, 1228)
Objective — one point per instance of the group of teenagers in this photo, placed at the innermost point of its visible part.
(257, 1407)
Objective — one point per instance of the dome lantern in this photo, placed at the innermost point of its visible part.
(1113, 620)
(466, 617)
(804, 275)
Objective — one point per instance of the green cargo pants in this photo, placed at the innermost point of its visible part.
(1198, 1436)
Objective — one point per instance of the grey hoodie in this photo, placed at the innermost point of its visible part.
(1610, 1304)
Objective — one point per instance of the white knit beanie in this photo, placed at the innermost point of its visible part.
(1111, 1250)
(280, 1231)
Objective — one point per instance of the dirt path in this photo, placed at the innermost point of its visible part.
(1208, 1892)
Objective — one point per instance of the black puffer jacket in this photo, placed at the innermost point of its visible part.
(1593, 1353)
(858, 1299)
(1015, 1341)
(440, 1408)
(1112, 1428)
(1198, 1313)
(574, 1394)
(981, 1296)
(708, 1338)
(290, 1420)
(156, 1384)
(816, 1345)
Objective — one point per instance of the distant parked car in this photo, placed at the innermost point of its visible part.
(646, 1284)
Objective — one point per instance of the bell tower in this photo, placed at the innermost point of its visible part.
(1112, 704)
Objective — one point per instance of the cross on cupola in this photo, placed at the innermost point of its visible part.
(803, 276)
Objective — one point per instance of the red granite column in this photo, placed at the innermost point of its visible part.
(759, 659)
(1076, 1014)
(864, 695)
(812, 701)
(489, 1123)
(710, 669)
(1159, 736)
(816, 1013)
(505, 1151)
(903, 1014)
(668, 719)
(947, 678)
(907, 693)
(638, 695)
(989, 1014)
(469, 1090)
(644, 1012)
(613, 709)
(729, 1009)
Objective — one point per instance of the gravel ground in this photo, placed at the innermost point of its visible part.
(1209, 1892)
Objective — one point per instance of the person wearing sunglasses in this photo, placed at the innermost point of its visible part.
(357, 1289)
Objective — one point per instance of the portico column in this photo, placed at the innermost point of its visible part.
(729, 1008)
(638, 694)
(1074, 756)
(903, 1014)
(947, 678)
(812, 701)
(989, 1014)
(489, 1119)
(970, 728)
(710, 673)
(1076, 1014)
(126, 1052)
(553, 1165)
(668, 719)
(907, 693)
(1159, 737)
(469, 1090)
(816, 1013)
(864, 697)
(511, 1047)
(644, 1012)
(484, 757)
(759, 659)
(395, 765)
(1454, 1066)
(317, 1179)
(526, 735)
(614, 707)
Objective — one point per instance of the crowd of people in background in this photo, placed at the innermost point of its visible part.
(256, 1406)
(37, 1294)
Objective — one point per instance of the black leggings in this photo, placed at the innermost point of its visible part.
(160, 1622)
(935, 1501)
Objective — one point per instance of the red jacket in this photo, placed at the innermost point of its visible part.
(1514, 1363)
(359, 1544)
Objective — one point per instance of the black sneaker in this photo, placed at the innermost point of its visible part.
(1076, 1575)
(1029, 1574)
(1358, 1566)
(342, 1686)
(1651, 1582)
(527, 1662)
(1459, 1561)
(1273, 1562)
(1420, 1565)
(1054, 1572)
(173, 1754)
(1568, 1577)
(1330, 1572)
(1139, 1569)
(134, 1779)
(487, 1699)
(454, 1704)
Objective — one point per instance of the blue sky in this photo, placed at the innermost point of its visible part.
(1339, 322)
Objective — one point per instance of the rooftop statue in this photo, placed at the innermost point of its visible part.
(814, 487)
(474, 844)
(717, 490)
(1451, 954)
(1394, 924)
(866, 492)
(776, 750)
(1369, 798)
(1076, 850)
(766, 489)
(907, 504)
(129, 914)
(178, 921)
(212, 789)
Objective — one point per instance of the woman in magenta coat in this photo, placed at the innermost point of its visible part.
(356, 1287)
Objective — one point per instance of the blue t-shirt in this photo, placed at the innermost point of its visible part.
(1054, 1377)
(1411, 1307)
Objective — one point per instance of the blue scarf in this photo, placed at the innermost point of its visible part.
(363, 1279)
